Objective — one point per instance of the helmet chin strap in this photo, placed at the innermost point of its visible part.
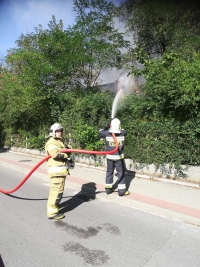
(55, 137)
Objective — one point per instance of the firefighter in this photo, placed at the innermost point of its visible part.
(116, 160)
(57, 170)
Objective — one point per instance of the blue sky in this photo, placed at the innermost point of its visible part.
(22, 16)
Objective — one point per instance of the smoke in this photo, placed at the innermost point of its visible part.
(126, 83)
(113, 74)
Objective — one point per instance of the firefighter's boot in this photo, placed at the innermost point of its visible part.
(52, 213)
(109, 190)
(126, 193)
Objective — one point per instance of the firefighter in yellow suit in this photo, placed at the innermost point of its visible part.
(57, 170)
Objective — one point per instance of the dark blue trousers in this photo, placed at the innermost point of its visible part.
(119, 165)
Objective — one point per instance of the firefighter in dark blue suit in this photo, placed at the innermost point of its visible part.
(116, 160)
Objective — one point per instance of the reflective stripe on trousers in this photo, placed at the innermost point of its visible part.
(57, 171)
(115, 157)
(120, 168)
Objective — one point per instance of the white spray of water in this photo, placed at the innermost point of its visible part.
(115, 105)
(126, 87)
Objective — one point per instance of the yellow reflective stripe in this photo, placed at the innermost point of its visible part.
(120, 138)
(115, 157)
(57, 169)
(109, 185)
(53, 209)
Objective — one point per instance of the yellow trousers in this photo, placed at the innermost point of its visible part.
(57, 185)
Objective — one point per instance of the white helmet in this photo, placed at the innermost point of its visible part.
(115, 126)
(55, 127)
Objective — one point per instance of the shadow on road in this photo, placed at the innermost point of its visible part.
(1, 262)
(87, 193)
(130, 175)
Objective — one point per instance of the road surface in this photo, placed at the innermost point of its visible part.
(95, 231)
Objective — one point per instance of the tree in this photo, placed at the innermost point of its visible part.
(102, 42)
(28, 99)
(79, 54)
(61, 53)
(48, 64)
(89, 110)
(159, 25)
(172, 86)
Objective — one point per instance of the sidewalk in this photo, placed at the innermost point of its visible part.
(176, 200)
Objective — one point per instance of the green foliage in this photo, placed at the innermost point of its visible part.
(102, 42)
(157, 25)
(36, 142)
(90, 108)
(50, 63)
(87, 138)
(53, 75)
(164, 142)
(172, 86)
(163, 122)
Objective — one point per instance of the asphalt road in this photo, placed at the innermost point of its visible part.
(95, 232)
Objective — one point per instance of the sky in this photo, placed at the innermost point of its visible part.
(22, 16)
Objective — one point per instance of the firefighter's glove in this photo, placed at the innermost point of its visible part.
(70, 163)
(65, 160)
(61, 157)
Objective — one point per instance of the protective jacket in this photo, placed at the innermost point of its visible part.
(56, 165)
(110, 143)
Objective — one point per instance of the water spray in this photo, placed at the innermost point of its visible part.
(125, 88)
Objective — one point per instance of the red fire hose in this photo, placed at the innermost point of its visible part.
(63, 151)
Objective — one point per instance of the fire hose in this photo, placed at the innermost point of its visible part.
(62, 151)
